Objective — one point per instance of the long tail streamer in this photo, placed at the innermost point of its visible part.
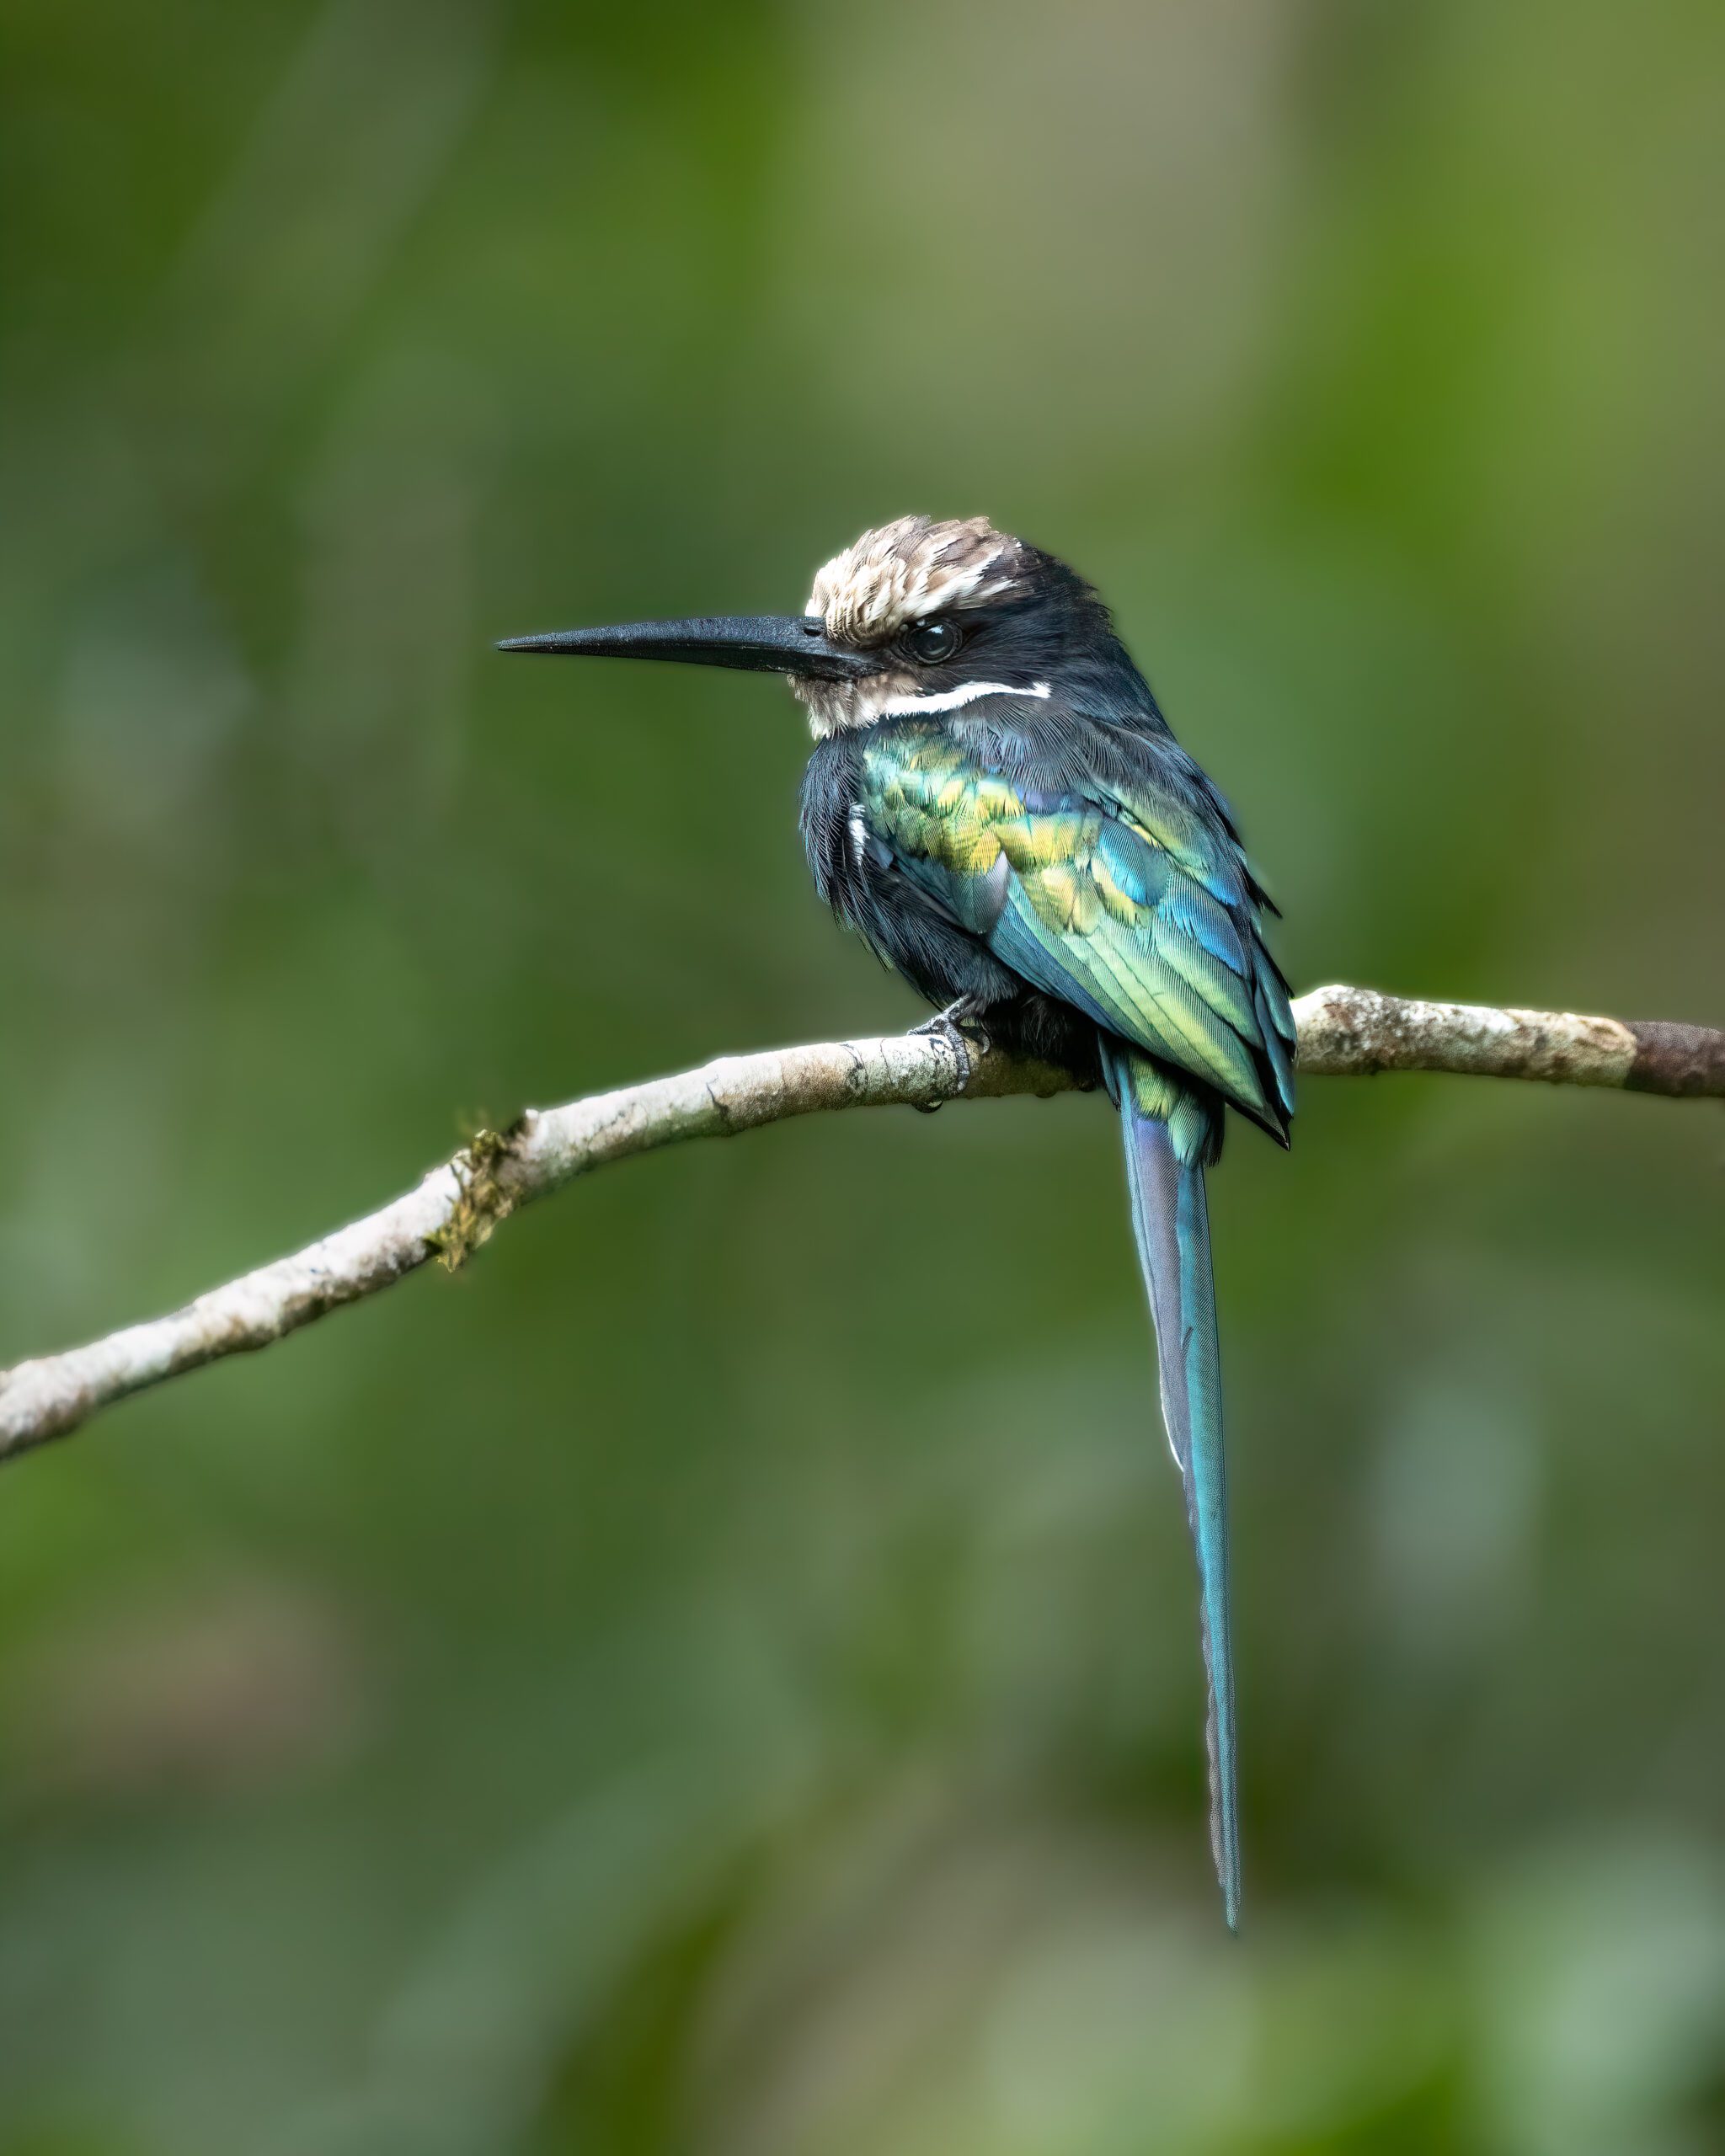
(1169, 1136)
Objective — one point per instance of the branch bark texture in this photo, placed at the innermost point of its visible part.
(1343, 1032)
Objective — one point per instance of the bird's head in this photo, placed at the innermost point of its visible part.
(917, 616)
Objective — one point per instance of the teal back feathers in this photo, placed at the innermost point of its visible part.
(1128, 900)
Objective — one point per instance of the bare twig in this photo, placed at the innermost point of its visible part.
(1342, 1032)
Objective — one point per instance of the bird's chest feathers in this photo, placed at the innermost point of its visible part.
(969, 796)
(917, 815)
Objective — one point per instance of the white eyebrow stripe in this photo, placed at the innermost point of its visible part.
(967, 692)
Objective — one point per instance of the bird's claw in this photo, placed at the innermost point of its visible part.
(958, 1028)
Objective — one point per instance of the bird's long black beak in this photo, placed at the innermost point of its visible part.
(757, 643)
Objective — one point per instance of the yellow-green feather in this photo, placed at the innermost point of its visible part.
(1118, 905)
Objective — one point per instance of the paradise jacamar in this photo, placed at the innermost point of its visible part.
(996, 803)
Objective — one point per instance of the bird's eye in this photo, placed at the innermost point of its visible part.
(932, 642)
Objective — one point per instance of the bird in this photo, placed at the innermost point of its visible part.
(996, 803)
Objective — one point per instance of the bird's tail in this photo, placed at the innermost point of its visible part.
(1172, 1135)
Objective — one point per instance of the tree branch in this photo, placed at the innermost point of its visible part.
(1343, 1032)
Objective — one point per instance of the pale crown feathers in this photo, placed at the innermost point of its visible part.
(911, 568)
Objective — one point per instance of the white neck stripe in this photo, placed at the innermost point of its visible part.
(967, 692)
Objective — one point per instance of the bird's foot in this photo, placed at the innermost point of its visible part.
(960, 1027)
(962, 1019)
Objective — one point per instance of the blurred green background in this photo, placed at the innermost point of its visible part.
(719, 1678)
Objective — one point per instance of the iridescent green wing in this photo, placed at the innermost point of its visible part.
(1131, 904)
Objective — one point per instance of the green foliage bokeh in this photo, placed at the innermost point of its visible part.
(720, 1675)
